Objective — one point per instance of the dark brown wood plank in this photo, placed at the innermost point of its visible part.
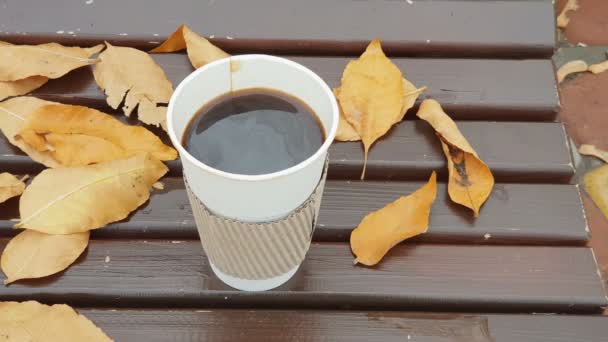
(515, 151)
(158, 273)
(468, 89)
(278, 325)
(475, 28)
(514, 214)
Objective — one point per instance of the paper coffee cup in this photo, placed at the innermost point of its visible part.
(252, 201)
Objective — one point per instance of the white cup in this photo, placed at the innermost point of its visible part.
(252, 198)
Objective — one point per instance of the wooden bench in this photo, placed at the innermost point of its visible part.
(495, 278)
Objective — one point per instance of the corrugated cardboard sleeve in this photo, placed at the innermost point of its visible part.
(256, 251)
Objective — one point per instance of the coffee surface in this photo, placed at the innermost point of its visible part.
(253, 132)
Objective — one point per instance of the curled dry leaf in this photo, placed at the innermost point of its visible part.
(372, 95)
(10, 186)
(133, 76)
(20, 87)
(78, 136)
(402, 219)
(200, 50)
(90, 197)
(571, 68)
(592, 150)
(470, 179)
(51, 60)
(32, 254)
(13, 114)
(596, 184)
(563, 19)
(32, 321)
(599, 67)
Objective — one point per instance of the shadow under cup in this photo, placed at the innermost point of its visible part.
(255, 207)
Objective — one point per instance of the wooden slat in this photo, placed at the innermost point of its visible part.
(476, 28)
(514, 214)
(515, 151)
(468, 89)
(279, 325)
(157, 273)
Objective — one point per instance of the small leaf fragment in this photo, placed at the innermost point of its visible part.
(51, 60)
(32, 254)
(200, 50)
(32, 321)
(562, 18)
(592, 150)
(372, 95)
(470, 179)
(596, 185)
(90, 196)
(13, 114)
(571, 67)
(10, 186)
(158, 186)
(133, 76)
(402, 219)
(599, 67)
(78, 136)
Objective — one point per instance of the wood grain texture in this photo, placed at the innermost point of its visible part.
(467, 88)
(514, 151)
(279, 325)
(489, 28)
(514, 214)
(157, 273)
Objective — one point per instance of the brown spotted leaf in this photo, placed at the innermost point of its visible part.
(470, 179)
(32, 321)
(32, 254)
(200, 50)
(402, 219)
(132, 76)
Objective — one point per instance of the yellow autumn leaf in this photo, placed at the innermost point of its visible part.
(596, 185)
(10, 186)
(13, 114)
(345, 132)
(32, 254)
(562, 19)
(200, 50)
(372, 96)
(598, 68)
(89, 197)
(470, 179)
(51, 60)
(20, 87)
(32, 321)
(78, 136)
(592, 150)
(133, 76)
(571, 67)
(402, 219)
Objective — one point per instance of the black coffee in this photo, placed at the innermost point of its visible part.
(253, 132)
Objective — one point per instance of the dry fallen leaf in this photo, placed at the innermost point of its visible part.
(78, 136)
(200, 50)
(10, 186)
(563, 19)
(13, 114)
(402, 219)
(372, 95)
(596, 184)
(32, 321)
(571, 68)
(159, 186)
(51, 60)
(591, 150)
(599, 67)
(89, 197)
(470, 179)
(345, 132)
(133, 76)
(32, 254)
(20, 87)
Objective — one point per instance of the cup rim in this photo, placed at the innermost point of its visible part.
(331, 133)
